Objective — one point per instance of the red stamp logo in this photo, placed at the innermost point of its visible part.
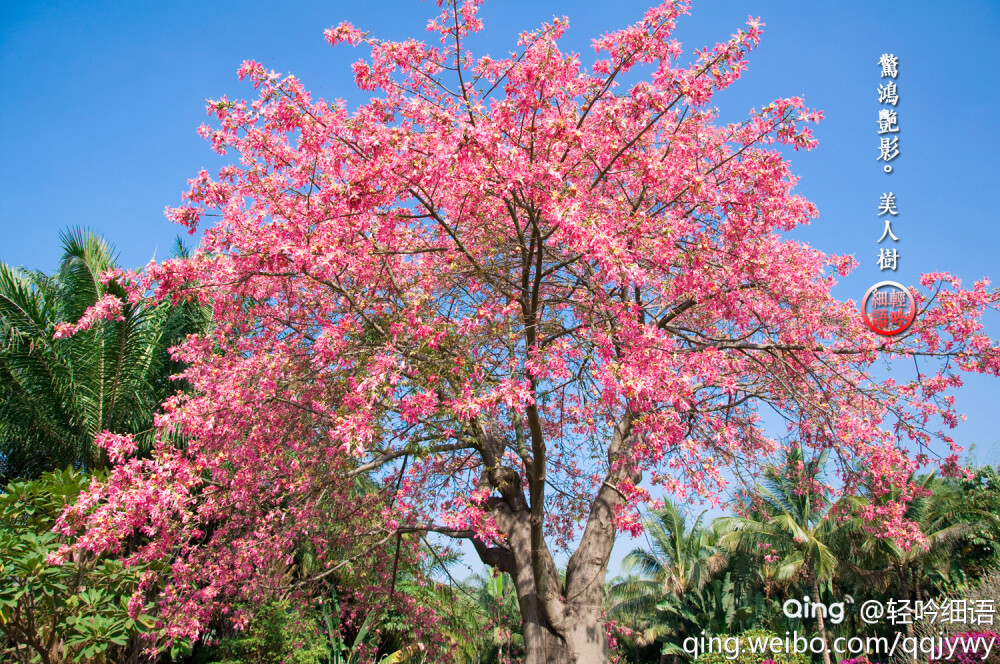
(888, 308)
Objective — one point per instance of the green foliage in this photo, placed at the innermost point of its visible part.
(74, 611)
(278, 634)
(493, 619)
(283, 632)
(985, 592)
(670, 591)
(476, 620)
(735, 573)
(794, 525)
(977, 553)
(754, 647)
(56, 394)
(717, 608)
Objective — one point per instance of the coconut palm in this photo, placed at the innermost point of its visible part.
(653, 598)
(495, 600)
(978, 552)
(56, 394)
(791, 524)
(944, 516)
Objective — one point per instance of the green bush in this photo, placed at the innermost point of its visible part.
(278, 634)
(754, 648)
(75, 611)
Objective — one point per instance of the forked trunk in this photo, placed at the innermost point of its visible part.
(562, 620)
(570, 628)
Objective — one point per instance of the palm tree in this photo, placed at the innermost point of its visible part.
(793, 525)
(480, 619)
(56, 394)
(944, 515)
(978, 552)
(495, 601)
(681, 562)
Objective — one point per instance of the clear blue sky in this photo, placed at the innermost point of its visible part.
(102, 99)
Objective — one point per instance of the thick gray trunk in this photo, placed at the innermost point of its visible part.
(587, 638)
(581, 641)
(541, 644)
(562, 621)
(565, 624)
(568, 629)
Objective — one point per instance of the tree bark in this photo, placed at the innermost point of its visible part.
(905, 592)
(563, 622)
(542, 645)
(820, 622)
(581, 640)
(565, 629)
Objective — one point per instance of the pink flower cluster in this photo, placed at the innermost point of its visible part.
(108, 308)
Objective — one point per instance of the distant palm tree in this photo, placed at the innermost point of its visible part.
(495, 600)
(480, 617)
(944, 515)
(792, 524)
(681, 562)
(56, 394)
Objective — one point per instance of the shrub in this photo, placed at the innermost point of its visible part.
(754, 648)
(278, 634)
(86, 608)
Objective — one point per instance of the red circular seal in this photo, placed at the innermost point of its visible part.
(888, 308)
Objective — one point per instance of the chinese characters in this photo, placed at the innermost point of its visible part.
(888, 124)
(888, 308)
(888, 121)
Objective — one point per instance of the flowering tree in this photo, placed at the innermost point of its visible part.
(522, 296)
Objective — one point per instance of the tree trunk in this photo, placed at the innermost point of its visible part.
(588, 641)
(563, 622)
(569, 628)
(904, 587)
(581, 641)
(905, 594)
(820, 622)
(542, 645)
